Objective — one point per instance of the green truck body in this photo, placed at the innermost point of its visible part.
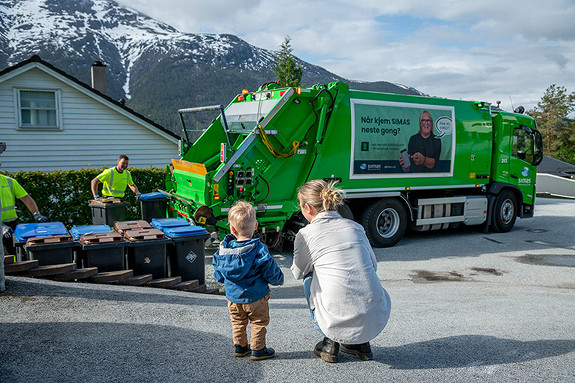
(478, 166)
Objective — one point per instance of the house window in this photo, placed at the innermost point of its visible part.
(38, 109)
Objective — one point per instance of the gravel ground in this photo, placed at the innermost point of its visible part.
(466, 306)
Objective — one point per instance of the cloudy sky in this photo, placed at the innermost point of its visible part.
(487, 50)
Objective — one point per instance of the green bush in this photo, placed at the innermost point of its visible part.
(63, 196)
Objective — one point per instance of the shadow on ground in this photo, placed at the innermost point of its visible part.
(469, 351)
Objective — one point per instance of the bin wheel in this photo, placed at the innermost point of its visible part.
(505, 211)
(384, 222)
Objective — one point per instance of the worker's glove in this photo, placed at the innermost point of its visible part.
(7, 231)
(138, 195)
(40, 218)
(97, 197)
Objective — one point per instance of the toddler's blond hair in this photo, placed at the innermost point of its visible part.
(243, 217)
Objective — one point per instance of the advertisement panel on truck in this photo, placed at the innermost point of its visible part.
(393, 139)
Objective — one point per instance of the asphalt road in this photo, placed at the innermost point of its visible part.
(466, 306)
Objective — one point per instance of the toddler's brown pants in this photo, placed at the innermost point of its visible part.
(257, 314)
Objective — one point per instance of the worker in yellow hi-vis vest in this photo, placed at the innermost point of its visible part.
(115, 180)
(10, 189)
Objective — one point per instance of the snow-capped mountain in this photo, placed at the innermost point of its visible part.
(157, 68)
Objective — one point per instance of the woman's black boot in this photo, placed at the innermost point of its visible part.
(327, 350)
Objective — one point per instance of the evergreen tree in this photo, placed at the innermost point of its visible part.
(552, 116)
(285, 67)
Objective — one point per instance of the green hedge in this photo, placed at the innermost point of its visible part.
(63, 196)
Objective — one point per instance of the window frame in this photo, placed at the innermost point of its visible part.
(57, 108)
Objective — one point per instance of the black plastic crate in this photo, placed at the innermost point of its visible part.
(52, 254)
(105, 256)
(108, 214)
(148, 257)
(186, 255)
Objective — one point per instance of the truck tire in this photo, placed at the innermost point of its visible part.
(384, 222)
(504, 211)
(345, 211)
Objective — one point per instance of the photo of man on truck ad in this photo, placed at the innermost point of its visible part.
(391, 138)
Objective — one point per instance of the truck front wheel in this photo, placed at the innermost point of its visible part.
(385, 222)
(504, 211)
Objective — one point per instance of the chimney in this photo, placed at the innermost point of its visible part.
(99, 77)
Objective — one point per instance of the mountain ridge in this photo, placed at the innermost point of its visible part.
(153, 66)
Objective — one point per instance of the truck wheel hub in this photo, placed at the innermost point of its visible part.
(387, 223)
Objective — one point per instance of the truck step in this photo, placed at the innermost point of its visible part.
(186, 285)
(199, 289)
(76, 275)
(164, 282)
(111, 276)
(18, 267)
(137, 280)
(50, 270)
(47, 240)
(96, 238)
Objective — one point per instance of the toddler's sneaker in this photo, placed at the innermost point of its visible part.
(240, 351)
(264, 353)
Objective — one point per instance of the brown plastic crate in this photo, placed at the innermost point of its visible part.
(97, 238)
(143, 234)
(124, 226)
(48, 240)
(106, 201)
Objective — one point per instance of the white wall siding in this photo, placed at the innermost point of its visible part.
(94, 131)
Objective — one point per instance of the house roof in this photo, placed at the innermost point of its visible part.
(35, 59)
(556, 167)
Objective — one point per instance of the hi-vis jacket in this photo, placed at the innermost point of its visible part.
(10, 189)
(115, 183)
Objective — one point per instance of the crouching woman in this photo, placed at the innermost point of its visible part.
(332, 255)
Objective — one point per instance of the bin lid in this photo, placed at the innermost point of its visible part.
(152, 195)
(164, 223)
(78, 231)
(31, 230)
(184, 231)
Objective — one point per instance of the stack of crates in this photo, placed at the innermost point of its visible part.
(146, 248)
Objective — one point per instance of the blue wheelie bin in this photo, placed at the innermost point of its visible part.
(100, 246)
(48, 242)
(186, 252)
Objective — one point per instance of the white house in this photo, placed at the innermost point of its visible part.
(51, 120)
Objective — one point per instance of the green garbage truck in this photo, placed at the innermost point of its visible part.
(403, 161)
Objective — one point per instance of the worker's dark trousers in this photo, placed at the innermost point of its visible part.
(8, 242)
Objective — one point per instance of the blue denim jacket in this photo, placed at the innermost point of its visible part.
(246, 268)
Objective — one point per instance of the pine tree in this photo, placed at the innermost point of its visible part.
(285, 68)
(552, 116)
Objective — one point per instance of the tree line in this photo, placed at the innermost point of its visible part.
(558, 130)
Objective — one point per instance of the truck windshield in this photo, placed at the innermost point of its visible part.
(242, 117)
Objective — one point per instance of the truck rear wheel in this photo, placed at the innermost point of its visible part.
(504, 211)
(385, 222)
(345, 211)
